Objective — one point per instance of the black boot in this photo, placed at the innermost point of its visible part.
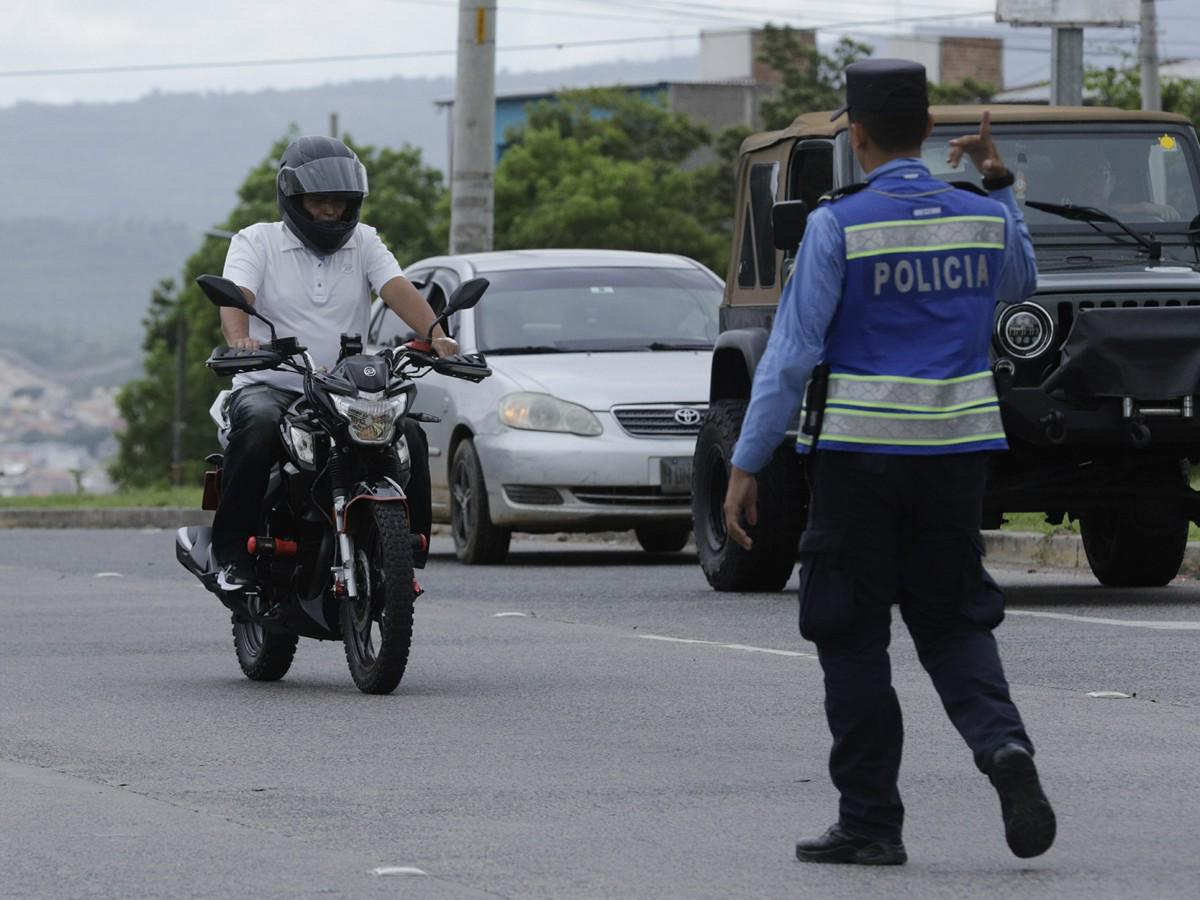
(839, 846)
(1029, 823)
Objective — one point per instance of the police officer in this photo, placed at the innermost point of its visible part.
(894, 294)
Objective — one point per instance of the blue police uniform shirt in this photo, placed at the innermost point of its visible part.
(810, 300)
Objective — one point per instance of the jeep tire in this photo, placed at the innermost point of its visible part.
(1141, 541)
(782, 503)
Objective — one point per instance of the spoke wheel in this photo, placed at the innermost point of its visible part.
(377, 625)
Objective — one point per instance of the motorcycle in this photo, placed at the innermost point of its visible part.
(333, 555)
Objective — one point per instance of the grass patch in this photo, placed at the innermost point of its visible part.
(182, 496)
(1036, 523)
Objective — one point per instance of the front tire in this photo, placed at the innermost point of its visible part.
(377, 625)
(782, 502)
(263, 655)
(476, 540)
(1141, 542)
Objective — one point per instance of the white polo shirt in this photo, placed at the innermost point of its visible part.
(313, 298)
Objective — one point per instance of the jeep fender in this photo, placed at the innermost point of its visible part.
(735, 359)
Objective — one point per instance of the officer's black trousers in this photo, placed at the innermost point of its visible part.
(254, 446)
(888, 529)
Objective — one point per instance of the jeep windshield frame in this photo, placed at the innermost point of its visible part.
(1074, 150)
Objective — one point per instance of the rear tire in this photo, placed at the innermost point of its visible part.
(1141, 542)
(782, 503)
(667, 538)
(476, 540)
(377, 626)
(263, 655)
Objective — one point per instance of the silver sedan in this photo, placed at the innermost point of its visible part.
(601, 366)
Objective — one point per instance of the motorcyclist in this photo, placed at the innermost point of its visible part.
(312, 275)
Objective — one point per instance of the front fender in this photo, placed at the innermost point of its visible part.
(735, 359)
(386, 492)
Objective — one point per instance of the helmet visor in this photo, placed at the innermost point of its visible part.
(328, 175)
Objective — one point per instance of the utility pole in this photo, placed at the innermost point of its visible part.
(178, 426)
(1066, 66)
(333, 125)
(1148, 56)
(473, 154)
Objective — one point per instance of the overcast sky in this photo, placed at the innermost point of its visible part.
(419, 35)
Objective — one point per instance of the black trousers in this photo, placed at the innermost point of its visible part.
(884, 530)
(254, 446)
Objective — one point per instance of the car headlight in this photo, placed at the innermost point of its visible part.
(372, 421)
(1024, 330)
(541, 412)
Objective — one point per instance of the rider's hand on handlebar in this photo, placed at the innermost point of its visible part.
(445, 346)
(244, 343)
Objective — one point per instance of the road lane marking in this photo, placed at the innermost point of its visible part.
(109, 575)
(510, 615)
(746, 647)
(1094, 620)
(397, 870)
(1109, 695)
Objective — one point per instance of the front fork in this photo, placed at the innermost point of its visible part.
(343, 574)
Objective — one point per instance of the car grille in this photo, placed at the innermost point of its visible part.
(666, 420)
(1134, 304)
(533, 495)
(634, 495)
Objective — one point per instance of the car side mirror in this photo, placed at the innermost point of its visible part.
(788, 220)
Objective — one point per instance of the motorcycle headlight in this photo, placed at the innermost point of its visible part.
(541, 412)
(304, 443)
(1024, 330)
(372, 421)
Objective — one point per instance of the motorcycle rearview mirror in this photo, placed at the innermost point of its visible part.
(223, 292)
(788, 220)
(464, 296)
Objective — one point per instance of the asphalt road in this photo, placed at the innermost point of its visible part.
(629, 734)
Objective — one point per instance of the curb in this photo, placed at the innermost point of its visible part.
(1012, 548)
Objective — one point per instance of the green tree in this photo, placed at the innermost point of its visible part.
(811, 81)
(403, 203)
(604, 168)
(1121, 86)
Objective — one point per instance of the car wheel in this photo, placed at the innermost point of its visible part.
(667, 538)
(782, 504)
(1141, 542)
(476, 540)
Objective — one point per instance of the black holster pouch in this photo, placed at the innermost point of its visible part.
(814, 402)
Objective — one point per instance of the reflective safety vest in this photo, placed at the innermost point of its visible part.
(907, 349)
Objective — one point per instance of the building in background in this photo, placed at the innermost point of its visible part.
(952, 59)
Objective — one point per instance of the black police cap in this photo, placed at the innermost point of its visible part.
(876, 85)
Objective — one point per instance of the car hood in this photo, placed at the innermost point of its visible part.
(602, 380)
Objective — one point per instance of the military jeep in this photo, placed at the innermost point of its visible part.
(1097, 373)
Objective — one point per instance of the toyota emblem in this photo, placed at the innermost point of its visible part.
(687, 416)
(368, 371)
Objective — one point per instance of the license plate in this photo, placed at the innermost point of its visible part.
(675, 474)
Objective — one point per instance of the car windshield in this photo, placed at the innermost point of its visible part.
(597, 309)
(1146, 179)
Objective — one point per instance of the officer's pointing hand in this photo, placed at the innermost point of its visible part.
(980, 148)
(741, 500)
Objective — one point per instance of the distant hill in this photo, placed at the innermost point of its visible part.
(106, 199)
(180, 157)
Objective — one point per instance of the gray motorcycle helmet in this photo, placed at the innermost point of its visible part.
(320, 165)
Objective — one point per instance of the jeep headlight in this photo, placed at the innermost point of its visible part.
(371, 421)
(1024, 330)
(541, 412)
